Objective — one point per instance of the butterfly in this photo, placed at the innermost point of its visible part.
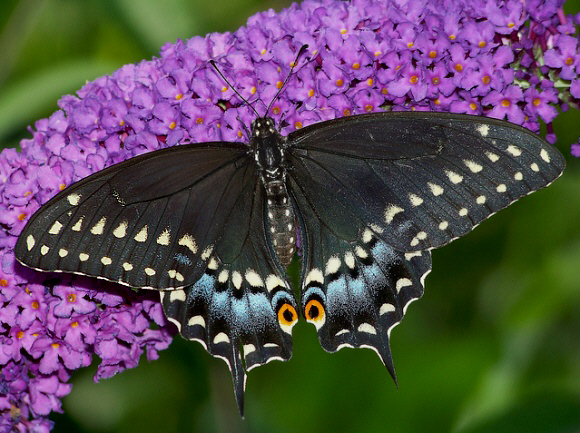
(213, 226)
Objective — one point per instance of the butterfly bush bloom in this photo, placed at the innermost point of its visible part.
(506, 59)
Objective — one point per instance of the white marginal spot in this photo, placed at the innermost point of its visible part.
(314, 275)
(237, 279)
(149, 271)
(30, 242)
(367, 236)
(386, 308)
(77, 226)
(106, 260)
(518, 176)
(473, 166)
(392, 327)
(443, 225)
(55, 229)
(341, 332)
(545, 155)
(164, 238)
(409, 256)
(175, 275)
(177, 295)
(99, 227)
(463, 212)
(360, 252)
(534, 167)
(142, 235)
(248, 348)
(501, 188)
(121, 230)
(332, 265)
(74, 199)
(189, 242)
(212, 264)
(273, 281)
(44, 250)
(223, 276)
(435, 189)
(221, 338)
(367, 328)
(83, 257)
(253, 278)
(402, 282)
(270, 345)
(391, 211)
(196, 320)
(483, 130)
(207, 252)
(127, 266)
(421, 236)
(376, 228)
(480, 200)
(62, 252)
(454, 177)
(415, 199)
(492, 156)
(343, 345)
(349, 260)
(514, 150)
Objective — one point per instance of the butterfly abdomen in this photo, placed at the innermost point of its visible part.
(281, 220)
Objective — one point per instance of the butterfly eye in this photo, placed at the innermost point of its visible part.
(314, 312)
(287, 315)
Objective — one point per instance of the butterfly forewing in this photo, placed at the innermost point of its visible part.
(147, 222)
(423, 178)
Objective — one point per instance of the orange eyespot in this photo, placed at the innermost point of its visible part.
(314, 311)
(287, 315)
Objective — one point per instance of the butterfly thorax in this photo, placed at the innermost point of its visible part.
(268, 147)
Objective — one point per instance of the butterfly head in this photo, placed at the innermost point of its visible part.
(267, 145)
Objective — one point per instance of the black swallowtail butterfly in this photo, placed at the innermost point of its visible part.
(212, 226)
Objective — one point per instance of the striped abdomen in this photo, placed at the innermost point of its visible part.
(281, 220)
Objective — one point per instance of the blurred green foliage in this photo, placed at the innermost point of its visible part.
(493, 346)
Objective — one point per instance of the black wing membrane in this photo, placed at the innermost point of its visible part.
(423, 179)
(375, 193)
(234, 309)
(147, 222)
(188, 221)
(355, 287)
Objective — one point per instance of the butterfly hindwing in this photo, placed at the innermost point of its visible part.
(355, 287)
(242, 306)
(423, 178)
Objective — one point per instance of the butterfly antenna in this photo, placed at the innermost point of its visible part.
(211, 62)
(294, 63)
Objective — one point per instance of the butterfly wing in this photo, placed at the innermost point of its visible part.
(146, 222)
(423, 178)
(355, 286)
(376, 192)
(242, 305)
(189, 221)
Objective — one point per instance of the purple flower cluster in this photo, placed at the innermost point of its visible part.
(501, 58)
